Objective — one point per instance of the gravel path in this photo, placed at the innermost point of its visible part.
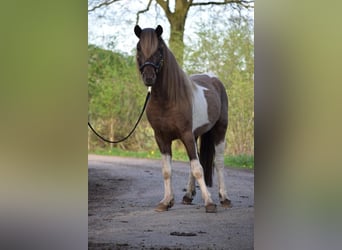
(122, 194)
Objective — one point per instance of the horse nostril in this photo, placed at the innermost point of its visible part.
(149, 80)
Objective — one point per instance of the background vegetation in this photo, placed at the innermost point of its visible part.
(116, 94)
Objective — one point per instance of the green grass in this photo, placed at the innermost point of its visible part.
(240, 161)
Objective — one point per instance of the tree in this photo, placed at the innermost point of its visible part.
(114, 97)
(176, 17)
(230, 55)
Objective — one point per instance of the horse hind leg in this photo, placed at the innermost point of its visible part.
(190, 190)
(219, 165)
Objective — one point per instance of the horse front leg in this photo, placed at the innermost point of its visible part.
(168, 200)
(197, 172)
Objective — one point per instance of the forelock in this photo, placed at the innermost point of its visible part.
(148, 42)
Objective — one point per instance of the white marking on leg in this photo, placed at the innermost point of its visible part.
(219, 165)
(191, 188)
(167, 173)
(199, 108)
(197, 172)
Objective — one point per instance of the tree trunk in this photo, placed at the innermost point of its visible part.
(176, 39)
(177, 25)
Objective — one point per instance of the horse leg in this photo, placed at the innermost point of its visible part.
(219, 165)
(190, 190)
(168, 200)
(197, 171)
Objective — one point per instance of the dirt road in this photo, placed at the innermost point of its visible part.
(124, 191)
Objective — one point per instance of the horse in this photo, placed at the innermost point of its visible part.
(187, 108)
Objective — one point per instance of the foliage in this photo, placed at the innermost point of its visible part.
(230, 55)
(114, 96)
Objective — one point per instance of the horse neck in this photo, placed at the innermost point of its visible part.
(159, 93)
(172, 85)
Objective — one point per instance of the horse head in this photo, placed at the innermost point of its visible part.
(149, 53)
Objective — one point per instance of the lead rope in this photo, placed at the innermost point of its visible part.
(135, 126)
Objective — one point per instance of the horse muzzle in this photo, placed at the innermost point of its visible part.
(149, 79)
(149, 84)
(149, 76)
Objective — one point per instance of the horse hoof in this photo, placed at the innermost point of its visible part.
(226, 203)
(186, 200)
(210, 208)
(162, 207)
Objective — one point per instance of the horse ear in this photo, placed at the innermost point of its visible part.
(159, 30)
(137, 30)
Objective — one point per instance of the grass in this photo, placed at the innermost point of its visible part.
(239, 161)
(242, 161)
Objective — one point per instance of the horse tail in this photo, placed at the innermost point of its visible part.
(206, 157)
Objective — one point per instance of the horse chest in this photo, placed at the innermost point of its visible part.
(168, 119)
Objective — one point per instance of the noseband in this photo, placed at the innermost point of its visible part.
(156, 67)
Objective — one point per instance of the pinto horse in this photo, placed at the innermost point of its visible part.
(188, 109)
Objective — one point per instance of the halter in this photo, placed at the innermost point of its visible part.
(156, 67)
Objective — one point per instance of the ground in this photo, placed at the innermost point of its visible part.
(122, 194)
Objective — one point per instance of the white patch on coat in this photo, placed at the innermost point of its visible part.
(211, 74)
(199, 108)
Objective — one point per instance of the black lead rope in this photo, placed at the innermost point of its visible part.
(135, 126)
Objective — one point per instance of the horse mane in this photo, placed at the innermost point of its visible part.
(176, 86)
